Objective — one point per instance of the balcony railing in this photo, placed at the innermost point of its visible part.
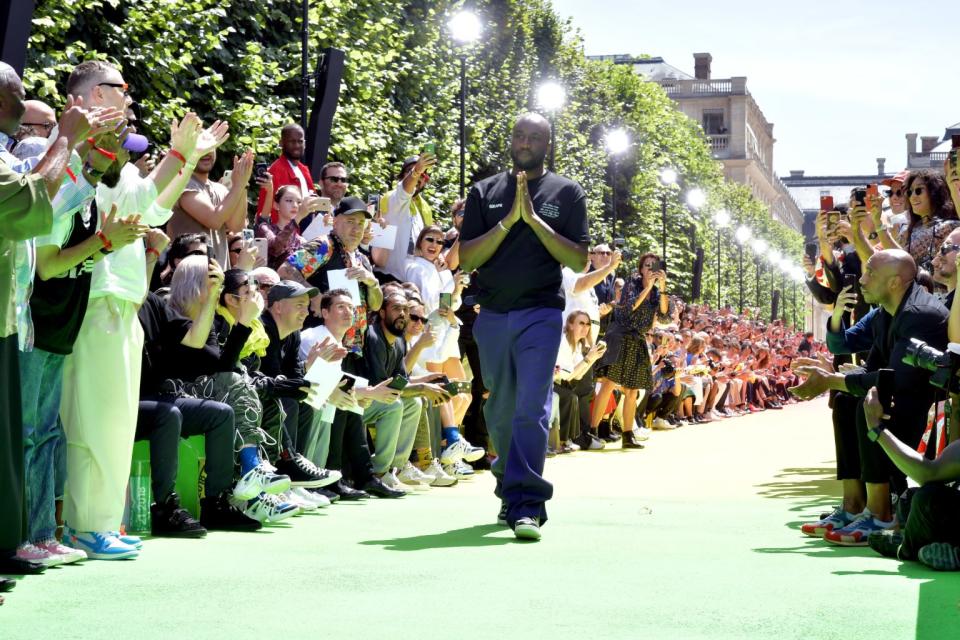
(697, 88)
(719, 143)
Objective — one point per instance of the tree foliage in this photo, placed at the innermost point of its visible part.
(240, 61)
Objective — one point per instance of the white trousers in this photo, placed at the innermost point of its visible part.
(101, 392)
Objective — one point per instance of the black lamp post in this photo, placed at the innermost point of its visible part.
(465, 28)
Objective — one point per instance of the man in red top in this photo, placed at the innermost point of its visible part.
(287, 169)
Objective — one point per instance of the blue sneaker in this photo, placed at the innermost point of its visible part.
(857, 532)
(99, 545)
(133, 541)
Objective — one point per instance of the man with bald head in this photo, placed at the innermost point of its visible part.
(520, 227)
(905, 310)
(38, 121)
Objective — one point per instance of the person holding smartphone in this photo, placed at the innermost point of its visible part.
(521, 226)
(409, 211)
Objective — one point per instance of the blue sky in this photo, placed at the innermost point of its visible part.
(842, 81)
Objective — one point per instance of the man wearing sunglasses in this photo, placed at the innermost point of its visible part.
(31, 139)
(334, 182)
(945, 267)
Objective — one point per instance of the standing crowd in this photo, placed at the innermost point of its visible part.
(330, 348)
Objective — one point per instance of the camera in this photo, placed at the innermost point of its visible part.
(944, 365)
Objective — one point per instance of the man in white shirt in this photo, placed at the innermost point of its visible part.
(101, 380)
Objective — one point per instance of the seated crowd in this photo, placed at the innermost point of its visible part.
(886, 266)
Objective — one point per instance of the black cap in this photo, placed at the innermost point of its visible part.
(351, 204)
(289, 289)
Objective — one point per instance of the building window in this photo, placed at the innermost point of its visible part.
(713, 122)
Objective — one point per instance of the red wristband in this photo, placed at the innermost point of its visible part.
(105, 240)
(154, 252)
(179, 156)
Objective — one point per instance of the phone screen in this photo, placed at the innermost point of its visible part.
(446, 300)
(398, 383)
(885, 385)
(826, 203)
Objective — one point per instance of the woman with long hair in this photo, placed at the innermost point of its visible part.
(932, 217)
(573, 377)
(626, 363)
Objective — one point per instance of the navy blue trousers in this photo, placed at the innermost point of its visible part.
(518, 351)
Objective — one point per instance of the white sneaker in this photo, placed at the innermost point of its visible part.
(460, 469)
(642, 433)
(262, 478)
(413, 477)
(661, 424)
(318, 498)
(269, 508)
(391, 480)
(572, 445)
(305, 499)
(298, 500)
(440, 477)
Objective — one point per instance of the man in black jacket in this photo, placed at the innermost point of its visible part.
(907, 311)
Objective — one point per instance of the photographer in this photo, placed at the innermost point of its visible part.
(931, 532)
(907, 311)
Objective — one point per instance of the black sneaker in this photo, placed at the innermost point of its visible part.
(502, 514)
(218, 513)
(347, 492)
(375, 486)
(7, 584)
(886, 543)
(170, 520)
(940, 556)
(304, 473)
(326, 493)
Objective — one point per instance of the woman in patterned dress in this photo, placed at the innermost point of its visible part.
(626, 363)
(932, 217)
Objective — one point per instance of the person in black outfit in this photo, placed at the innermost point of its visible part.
(520, 227)
(176, 347)
(906, 311)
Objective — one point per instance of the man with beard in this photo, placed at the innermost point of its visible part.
(407, 210)
(287, 169)
(333, 185)
(520, 228)
(212, 209)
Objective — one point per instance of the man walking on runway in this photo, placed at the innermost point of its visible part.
(519, 229)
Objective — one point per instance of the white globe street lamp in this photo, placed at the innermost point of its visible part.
(696, 198)
(465, 27)
(668, 176)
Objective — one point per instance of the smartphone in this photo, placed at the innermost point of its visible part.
(850, 280)
(833, 217)
(619, 243)
(446, 300)
(455, 387)
(953, 158)
(431, 148)
(860, 197)
(811, 250)
(873, 191)
(826, 203)
(955, 141)
(263, 246)
(885, 384)
(260, 169)
(247, 236)
(325, 204)
(346, 383)
(374, 199)
(399, 383)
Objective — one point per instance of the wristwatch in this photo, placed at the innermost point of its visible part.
(874, 433)
(873, 235)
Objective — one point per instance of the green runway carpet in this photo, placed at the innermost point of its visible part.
(695, 537)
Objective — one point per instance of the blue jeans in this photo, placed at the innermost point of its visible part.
(41, 379)
(518, 351)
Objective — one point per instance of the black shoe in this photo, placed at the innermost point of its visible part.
(170, 520)
(483, 464)
(7, 584)
(603, 430)
(326, 493)
(18, 567)
(629, 441)
(218, 513)
(304, 473)
(588, 441)
(376, 487)
(886, 543)
(347, 492)
(502, 515)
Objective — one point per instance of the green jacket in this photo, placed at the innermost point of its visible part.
(25, 212)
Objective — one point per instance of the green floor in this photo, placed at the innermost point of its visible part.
(695, 537)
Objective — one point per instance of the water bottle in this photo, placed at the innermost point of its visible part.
(140, 497)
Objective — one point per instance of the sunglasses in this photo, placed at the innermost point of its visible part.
(916, 191)
(416, 318)
(264, 286)
(47, 126)
(336, 179)
(433, 240)
(894, 192)
(600, 253)
(948, 248)
(123, 87)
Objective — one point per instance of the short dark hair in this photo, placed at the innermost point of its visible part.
(332, 165)
(87, 74)
(180, 246)
(233, 279)
(288, 128)
(327, 300)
